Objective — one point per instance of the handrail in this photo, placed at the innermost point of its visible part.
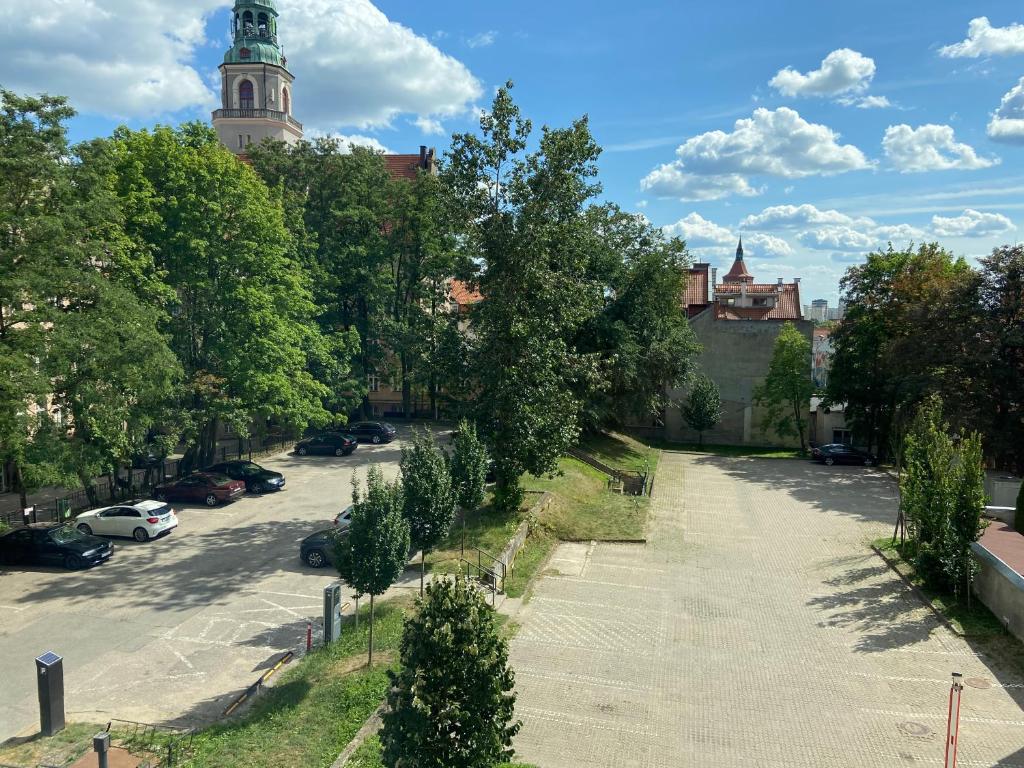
(493, 577)
(480, 554)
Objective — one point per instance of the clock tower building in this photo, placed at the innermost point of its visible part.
(256, 86)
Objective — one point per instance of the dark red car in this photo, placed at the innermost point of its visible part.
(201, 487)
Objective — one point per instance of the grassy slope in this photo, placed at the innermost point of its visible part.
(315, 708)
(621, 452)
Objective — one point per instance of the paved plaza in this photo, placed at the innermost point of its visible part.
(755, 628)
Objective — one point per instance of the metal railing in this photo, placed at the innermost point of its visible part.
(253, 114)
(250, 32)
(483, 577)
(166, 746)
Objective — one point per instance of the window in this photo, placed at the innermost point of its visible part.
(245, 53)
(262, 23)
(842, 436)
(247, 20)
(241, 142)
(246, 100)
(760, 301)
(373, 383)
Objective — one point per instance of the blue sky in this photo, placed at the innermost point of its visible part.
(818, 131)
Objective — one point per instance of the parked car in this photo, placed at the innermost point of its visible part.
(317, 549)
(53, 544)
(373, 432)
(837, 453)
(204, 487)
(149, 459)
(344, 518)
(329, 445)
(143, 520)
(256, 478)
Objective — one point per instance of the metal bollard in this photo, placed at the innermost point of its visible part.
(50, 684)
(101, 745)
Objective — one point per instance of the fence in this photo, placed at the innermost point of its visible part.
(130, 483)
(629, 482)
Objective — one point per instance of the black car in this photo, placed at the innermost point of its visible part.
(256, 478)
(326, 445)
(317, 550)
(837, 453)
(373, 432)
(53, 544)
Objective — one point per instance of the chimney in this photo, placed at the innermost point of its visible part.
(796, 280)
(423, 156)
(711, 284)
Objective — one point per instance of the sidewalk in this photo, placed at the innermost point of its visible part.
(1005, 543)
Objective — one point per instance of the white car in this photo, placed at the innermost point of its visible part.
(343, 519)
(141, 520)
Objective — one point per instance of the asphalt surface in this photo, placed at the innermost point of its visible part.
(169, 631)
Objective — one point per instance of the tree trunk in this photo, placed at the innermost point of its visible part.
(423, 568)
(19, 480)
(370, 662)
(90, 489)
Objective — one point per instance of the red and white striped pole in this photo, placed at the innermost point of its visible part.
(953, 721)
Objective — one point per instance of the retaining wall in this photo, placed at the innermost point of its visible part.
(1000, 588)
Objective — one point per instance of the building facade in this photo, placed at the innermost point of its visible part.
(256, 86)
(736, 322)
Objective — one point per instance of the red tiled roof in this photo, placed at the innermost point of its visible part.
(738, 272)
(786, 308)
(751, 288)
(462, 294)
(696, 287)
(402, 166)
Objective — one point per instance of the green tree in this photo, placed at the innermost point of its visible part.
(640, 338)
(370, 558)
(428, 496)
(786, 391)
(240, 319)
(703, 409)
(451, 703)
(966, 523)
(469, 467)
(524, 226)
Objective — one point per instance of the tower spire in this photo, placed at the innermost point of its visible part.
(739, 249)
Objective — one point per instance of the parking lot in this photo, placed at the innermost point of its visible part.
(169, 631)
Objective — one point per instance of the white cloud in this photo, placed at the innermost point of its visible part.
(482, 39)
(770, 143)
(930, 148)
(842, 71)
(671, 180)
(972, 223)
(867, 102)
(762, 246)
(1007, 122)
(792, 216)
(985, 40)
(125, 58)
(838, 238)
(429, 125)
(345, 141)
(900, 233)
(698, 232)
(113, 58)
(354, 66)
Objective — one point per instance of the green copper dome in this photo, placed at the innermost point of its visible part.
(260, 53)
(254, 25)
(240, 4)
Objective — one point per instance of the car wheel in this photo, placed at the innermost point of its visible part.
(211, 500)
(316, 559)
(254, 488)
(140, 535)
(339, 452)
(376, 439)
(161, 497)
(74, 563)
(829, 461)
(303, 451)
(83, 528)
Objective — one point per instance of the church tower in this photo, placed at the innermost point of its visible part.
(256, 87)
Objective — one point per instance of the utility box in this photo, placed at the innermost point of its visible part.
(50, 682)
(332, 612)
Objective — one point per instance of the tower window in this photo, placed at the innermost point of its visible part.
(245, 95)
(247, 20)
(262, 23)
(245, 53)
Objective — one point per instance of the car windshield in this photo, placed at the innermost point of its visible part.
(158, 511)
(66, 535)
(249, 469)
(219, 479)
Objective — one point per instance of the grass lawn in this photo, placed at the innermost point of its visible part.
(976, 623)
(58, 750)
(621, 452)
(315, 708)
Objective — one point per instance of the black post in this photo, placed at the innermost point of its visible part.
(101, 745)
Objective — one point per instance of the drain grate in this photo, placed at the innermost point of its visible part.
(978, 682)
(915, 730)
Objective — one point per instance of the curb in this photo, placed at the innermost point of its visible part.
(918, 593)
(370, 727)
(602, 541)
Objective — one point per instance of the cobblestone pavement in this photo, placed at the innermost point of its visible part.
(755, 628)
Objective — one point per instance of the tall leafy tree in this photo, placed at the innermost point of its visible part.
(452, 701)
(370, 558)
(525, 227)
(703, 409)
(469, 466)
(429, 499)
(786, 391)
(240, 320)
